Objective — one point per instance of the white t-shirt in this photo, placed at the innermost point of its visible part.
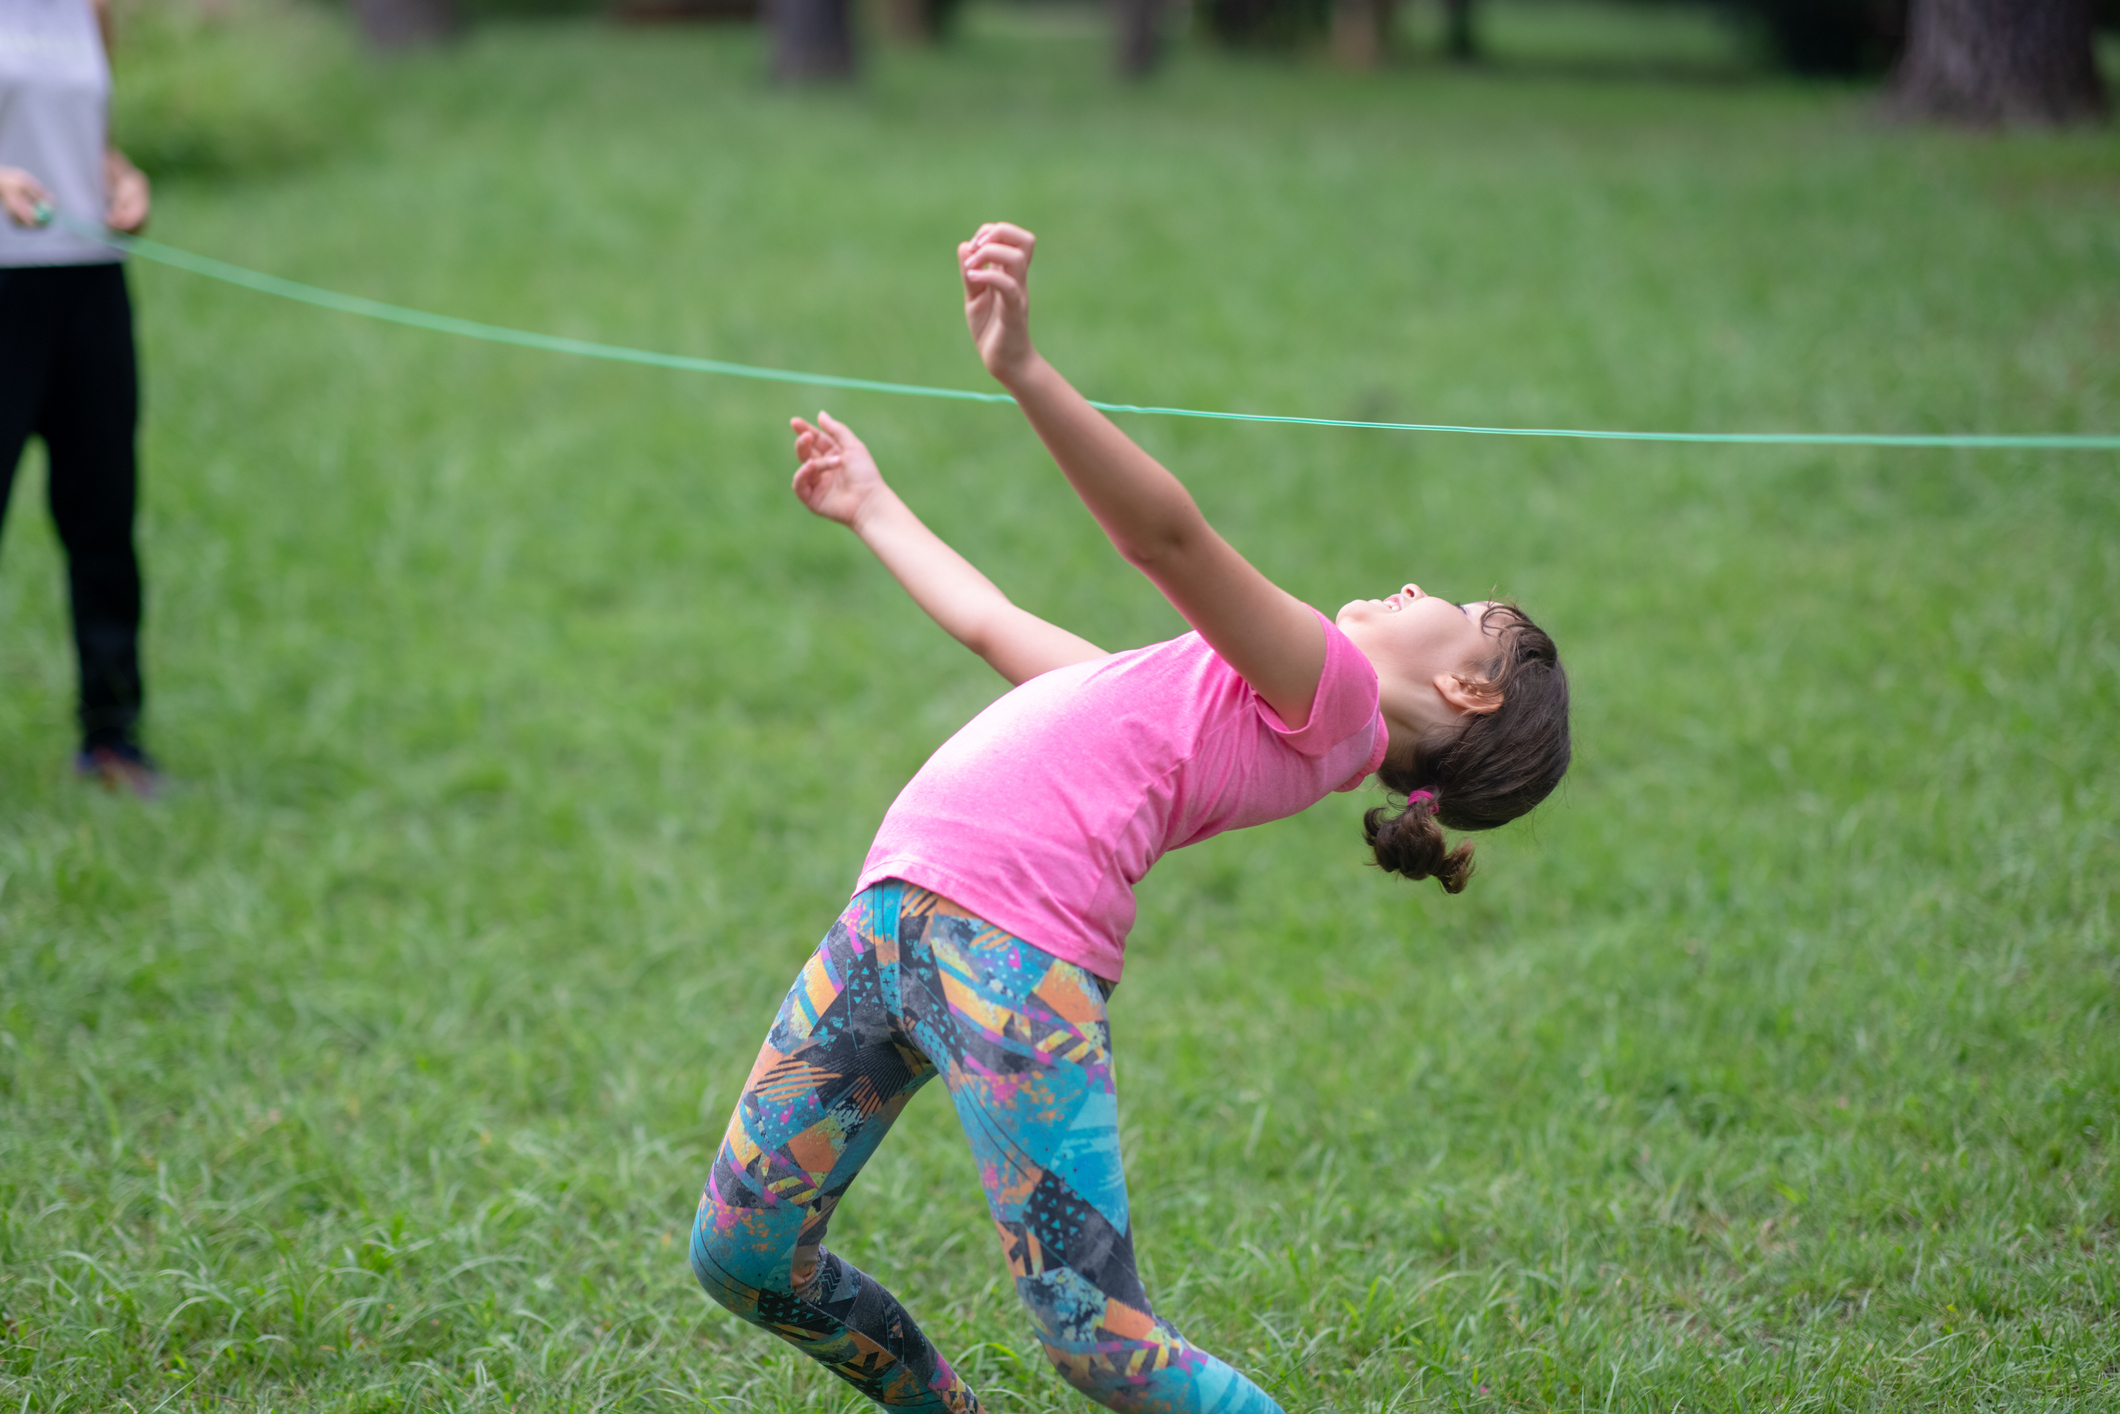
(54, 120)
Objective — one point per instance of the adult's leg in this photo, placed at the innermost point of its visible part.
(833, 1075)
(1025, 1047)
(25, 360)
(89, 420)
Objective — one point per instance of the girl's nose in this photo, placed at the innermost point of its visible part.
(1412, 591)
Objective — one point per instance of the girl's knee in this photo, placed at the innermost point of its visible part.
(736, 1257)
(718, 1264)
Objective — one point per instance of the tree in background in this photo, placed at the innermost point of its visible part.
(400, 24)
(813, 40)
(1138, 32)
(1459, 41)
(1842, 38)
(1263, 24)
(920, 21)
(2000, 61)
(1362, 31)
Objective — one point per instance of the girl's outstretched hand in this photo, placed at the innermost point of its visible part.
(837, 476)
(996, 266)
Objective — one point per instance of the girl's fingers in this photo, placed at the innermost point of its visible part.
(1008, 232)
(809, 439)
(998, 241)
(1008, 257)
(1018, 270)
(842, 435)
(998, 282)
(998, 253)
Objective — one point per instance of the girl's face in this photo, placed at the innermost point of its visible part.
(1426, 652)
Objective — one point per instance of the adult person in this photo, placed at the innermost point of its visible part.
(67, 368)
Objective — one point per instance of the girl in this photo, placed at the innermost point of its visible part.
(989, 923)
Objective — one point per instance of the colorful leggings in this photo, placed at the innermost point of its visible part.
(905, 985)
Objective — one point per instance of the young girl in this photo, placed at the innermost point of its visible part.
(989, 923)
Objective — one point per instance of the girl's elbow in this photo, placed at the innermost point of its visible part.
(985, 635)
(1160, 549)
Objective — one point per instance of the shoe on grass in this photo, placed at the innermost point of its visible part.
(120, 766)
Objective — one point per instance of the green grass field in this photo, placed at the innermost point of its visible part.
(527, 735)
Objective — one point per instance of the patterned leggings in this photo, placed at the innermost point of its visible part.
(907, 985)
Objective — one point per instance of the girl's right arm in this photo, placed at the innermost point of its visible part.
(1271, 638)
(838, 480)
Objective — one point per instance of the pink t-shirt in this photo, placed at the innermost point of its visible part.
(1042, 814)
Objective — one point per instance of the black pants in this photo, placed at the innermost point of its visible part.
(68, 374)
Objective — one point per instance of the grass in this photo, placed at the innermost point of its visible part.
(527, 735)
(210, 88)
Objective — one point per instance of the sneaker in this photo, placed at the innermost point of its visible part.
(123, 766)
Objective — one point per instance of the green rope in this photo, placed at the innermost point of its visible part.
(550, 343)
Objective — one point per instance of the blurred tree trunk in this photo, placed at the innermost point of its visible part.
(909, 21)
(1999, 61)
(1138, 32)
(1459, 41)
(1272, 25)
(917, 21)
(400, 24)
(1361, 31)
(813, 40)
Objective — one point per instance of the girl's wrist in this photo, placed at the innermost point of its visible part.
(1024, 375)
(875, 509)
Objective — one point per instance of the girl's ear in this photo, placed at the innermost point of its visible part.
(1476, 696)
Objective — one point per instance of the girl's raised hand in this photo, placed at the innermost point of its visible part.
(996, 266)
(837, 476)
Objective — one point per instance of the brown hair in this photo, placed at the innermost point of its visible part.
(1493, 768)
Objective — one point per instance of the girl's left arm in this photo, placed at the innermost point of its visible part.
(1272, 638)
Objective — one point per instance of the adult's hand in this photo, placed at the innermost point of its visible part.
(129, 196)
(21, 194)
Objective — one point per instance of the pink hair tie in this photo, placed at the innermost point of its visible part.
(1427, 796)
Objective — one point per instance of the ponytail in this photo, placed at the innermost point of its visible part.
(1411, 843)
(1485, 772)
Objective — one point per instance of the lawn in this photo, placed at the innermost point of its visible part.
(527, 734)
